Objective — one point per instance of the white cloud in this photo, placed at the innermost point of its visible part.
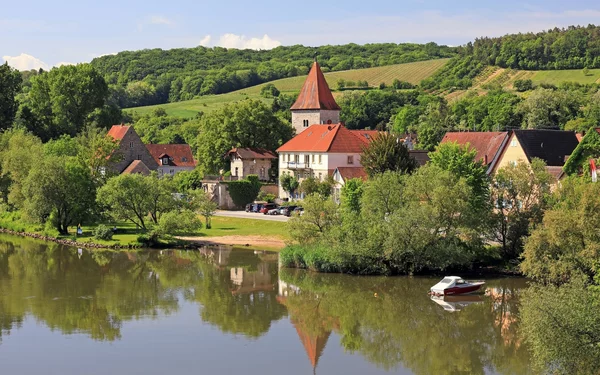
(160, 20)
(205, 42)
(25, 62)
(241, 42)
(63, 63)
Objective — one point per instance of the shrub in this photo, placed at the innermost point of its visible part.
(264, 196)
(269, 91)
(245, 191)
(523, 85)
(103, 232)
(177, 223)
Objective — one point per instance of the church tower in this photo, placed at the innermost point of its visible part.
(315, 104)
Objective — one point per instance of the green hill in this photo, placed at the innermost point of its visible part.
(409, 72)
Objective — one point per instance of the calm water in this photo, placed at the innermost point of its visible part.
(224, 311)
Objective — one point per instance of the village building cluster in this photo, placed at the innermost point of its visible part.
(324, 147)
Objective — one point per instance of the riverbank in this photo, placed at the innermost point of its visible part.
(257, 234)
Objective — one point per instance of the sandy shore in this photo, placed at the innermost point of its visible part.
(255, 241)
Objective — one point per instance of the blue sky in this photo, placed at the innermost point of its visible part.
(41, 33)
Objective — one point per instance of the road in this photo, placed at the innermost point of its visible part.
(251, 215)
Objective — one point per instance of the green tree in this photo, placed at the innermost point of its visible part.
(320, 214)
(519, 194)
(269, 91)
(244, 191)
(178, 223)
(134, 198)
(566, 245)
(387, 153)
(61, 100)
(248, 123)
(202, 203)
(351, 194)
(311, 185)
(61, 189)
(588, 148)
(289, 184)
(10, 86)
(460, 160)
(550, 109)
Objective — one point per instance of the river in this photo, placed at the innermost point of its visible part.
(225, 311)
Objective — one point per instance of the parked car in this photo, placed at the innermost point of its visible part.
(266, 207)
(287, 211)
(274, 211)
(249, 207)
(298, 211)
(257, 206)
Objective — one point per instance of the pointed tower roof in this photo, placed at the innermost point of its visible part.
(314, 344)
(315, 93)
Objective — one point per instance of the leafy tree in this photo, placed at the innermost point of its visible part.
(566, 245)
(496, 111)
(269, 91)
(320, 214)
(460, 160)
(432, 125)
(202, 203)
(372, 109)
(61, 190)
(178, 223)
(289, 184)
(341, 84)
(519, 194)
(188, 180)
(586, 71)
(351, 194)
(134, 197)
(386, 153)
(312, 185)
(61, 100)
(248, 123)
(10, 86)
(522, 85)
(382, 195)
(550, 109)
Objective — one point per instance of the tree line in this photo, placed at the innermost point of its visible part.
(158, 76)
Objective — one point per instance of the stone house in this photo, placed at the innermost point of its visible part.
(137, 157)
(247, 161)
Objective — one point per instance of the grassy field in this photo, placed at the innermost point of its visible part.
(557, 76)
(410, 72)
(231, 226)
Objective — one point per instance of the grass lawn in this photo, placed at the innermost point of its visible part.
(574, 75)
(410, 72)
(231, 226)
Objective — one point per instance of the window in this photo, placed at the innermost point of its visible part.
(172, 171)
(313, 158)
(139, 157)
(350, 159)
(251, 169)
(131, 144)
(305, 123)
(513, 143)
(262, 172)
(306, 160)
(165, 161)
(320, 176)
(236, 171)
(319, 159)
(297, 158)
(184, 159)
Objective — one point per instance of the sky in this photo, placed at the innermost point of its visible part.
(36, 33)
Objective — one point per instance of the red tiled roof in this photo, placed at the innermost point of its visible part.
(315, 93)
(118, 131)
(487, 144)
(181, 155)
(252, 153)
(137, 166)
(349, 173)
(368, 134)
(334, 138)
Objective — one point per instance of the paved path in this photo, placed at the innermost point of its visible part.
(252, 215)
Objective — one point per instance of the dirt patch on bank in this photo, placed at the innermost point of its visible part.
(255, 241)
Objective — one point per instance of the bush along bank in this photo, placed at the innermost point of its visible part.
(444, 217)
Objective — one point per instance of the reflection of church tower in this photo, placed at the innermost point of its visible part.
(313, 344)
(315, 104)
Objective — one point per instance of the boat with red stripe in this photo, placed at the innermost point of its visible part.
(454, 285)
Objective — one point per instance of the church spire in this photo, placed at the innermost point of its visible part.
(315, 93)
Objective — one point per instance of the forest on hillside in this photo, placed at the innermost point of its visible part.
(575, 47)
(159, 76)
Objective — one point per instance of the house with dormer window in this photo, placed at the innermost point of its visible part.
(172, 158)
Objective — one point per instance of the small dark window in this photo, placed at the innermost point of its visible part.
(130, 144)
(184, 159)
(139, 157)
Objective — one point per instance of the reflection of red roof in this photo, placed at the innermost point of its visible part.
(252, 153)
(137, 166)
(313, 344)
(334, 138)
(315, 93)
(487, 144)
(118, 131)
(180, 155)
(349, 173)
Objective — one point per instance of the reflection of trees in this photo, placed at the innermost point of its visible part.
(72, 292)
(392, 321)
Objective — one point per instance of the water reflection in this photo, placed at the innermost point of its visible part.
(390, 322)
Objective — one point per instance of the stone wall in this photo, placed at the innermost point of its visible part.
(132, 148)
(313, 117)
